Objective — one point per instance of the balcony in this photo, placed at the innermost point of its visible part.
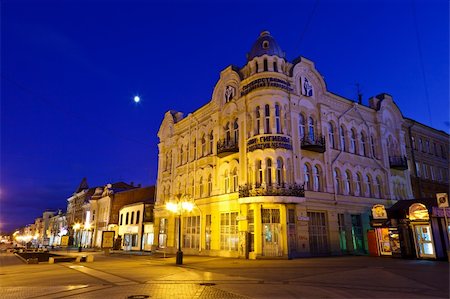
(226, 147)
(399, 163)
(315, 145)
(275, 190)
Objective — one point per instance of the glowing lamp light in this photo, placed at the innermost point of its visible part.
(187, 206)
(136, 99)
(76, 226)
(173, 207)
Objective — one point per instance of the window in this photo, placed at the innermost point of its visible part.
(311, 129)
(279, 173)
(201, 186)
(277, 119)
(181, 154)
(209, 185)
(256, 66)
(267, 119)
(227, 182)
(369, 185)
(132, 218)
(259, 175)
(269, 172)
(138, 215)
(307, 174)
(126, 219)
(417, 169)
(236, 131)
(121, 219)
(275, 66)
(363, 144)
(331, 135)
(435, 148)
(413, 142)
(229, 238)
(316, 178)
(208, 232)
(348, 182)
(227, 133)
(211, 142)
(337, 181)
(266, 67)
(372, 143)
(258, 121)
(379, 187)
(191, 232)
(162, 236)
(203, 145)
(194, 149)
(427, 146)
(301, 125)
(353, 141)
(251, 230)
(358, 186)
(443, 152)
(342, 137)
(235, 181)
(420, 144)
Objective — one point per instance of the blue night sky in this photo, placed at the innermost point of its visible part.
(70, 70)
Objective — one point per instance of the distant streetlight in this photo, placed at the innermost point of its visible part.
(137, 99)
(177, 208)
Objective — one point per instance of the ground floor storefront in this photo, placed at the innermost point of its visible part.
(264, 227)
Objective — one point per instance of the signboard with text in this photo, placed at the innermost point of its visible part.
(108, 239)
(65, 241)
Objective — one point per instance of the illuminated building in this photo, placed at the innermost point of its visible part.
(278, 166)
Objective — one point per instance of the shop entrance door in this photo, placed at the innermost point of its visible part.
(424, 241)
(271, 229)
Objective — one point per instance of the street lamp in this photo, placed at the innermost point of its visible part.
(177, 208)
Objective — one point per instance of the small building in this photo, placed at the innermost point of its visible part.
(136, 226)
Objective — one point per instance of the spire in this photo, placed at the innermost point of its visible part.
(83, 185)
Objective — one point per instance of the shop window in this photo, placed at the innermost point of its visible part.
(208, 232)
(229, 238)
(191, 232)
(251, 230)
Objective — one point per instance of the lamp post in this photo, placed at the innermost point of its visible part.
(177, 208)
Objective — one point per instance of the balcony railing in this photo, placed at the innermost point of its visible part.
(226, 147)
(399, 163)
(274, 190)
(316, 144)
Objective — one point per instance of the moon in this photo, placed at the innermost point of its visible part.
(137, 99)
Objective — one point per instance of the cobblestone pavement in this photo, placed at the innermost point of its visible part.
(127, 276)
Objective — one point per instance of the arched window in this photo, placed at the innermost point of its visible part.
(279, 172)
(369, 185)
(331, 135)
(227, 182)
(379, 187)
(337, 180)
(353, 141)
(372, 144)
(301, 125)
(311, 129)
(266, 67)
(181, 154)
(277, 118)
(227, 133)
(138, 215)
(275, 66)
(358, 186)
(201, 187)
(363, 144)
(307, 174)
(235, 180)
(259, 174)
(342, 137)
(209, 185)
(211, 142)
(203, 145)
(316, 178)
(194, 149)
(258, 120)
(269, 172)
(132, 218)
(267, 119)
(348, 182)
(236, 131)
(126, 219)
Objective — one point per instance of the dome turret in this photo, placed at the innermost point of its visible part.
(265, 44)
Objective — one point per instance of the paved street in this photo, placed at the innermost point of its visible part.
(122, 276)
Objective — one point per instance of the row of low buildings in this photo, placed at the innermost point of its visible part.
(123, 208)
(276, 165)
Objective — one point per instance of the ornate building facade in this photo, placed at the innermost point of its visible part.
(276, 165)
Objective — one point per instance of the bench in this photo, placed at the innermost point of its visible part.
(84, 258)
(61, 259)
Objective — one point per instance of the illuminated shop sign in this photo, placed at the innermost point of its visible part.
(418, 211)
(269, 141)
(266, 82)
(379, 212)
